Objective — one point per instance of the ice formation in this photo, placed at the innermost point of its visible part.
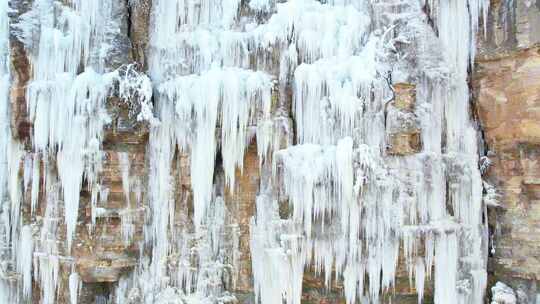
(225, 73)
(395, 199)
(74, 287)
(25, 257)
(230, 95)
(502, 294)
(7, 287)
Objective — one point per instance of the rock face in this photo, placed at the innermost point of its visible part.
(507, 91)
(266, 158)
(404, 133)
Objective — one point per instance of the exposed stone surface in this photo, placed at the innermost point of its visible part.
(139, 27)
(511, 25)
(21, 69)
(402, 128)
(509, 100)
(507, 88)
(241, 205)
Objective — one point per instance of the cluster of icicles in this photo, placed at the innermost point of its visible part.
(219, 72)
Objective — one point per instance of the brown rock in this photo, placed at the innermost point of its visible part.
(404, 143)
(140, 24)
(241, 204)
(405, 98)
(511, 26)
(508, 105)
(508, 92)
(403, 133)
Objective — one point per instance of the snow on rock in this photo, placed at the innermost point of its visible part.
(135, 88)
(262, 5)
(502, 294)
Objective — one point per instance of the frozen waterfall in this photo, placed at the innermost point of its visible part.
(313, 85)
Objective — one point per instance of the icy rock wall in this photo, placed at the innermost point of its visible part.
(359, 113)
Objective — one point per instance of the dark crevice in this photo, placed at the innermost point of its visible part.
(129, 22)
(427, 11)
(289, 96)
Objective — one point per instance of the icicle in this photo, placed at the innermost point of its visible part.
(161, 152)
(24, 260)
(305, 167)
(181, 30)
(35, 182)
(123, 159)
(339, 58)
(48, 273)
(128, 227)
(277, 267)
(466, 190)
(7, 293)
(70, 169)
(234, 96)
(68, 109)
(208, 12)
(446, 251)
(330, 95)
(345, 181)
(419, 280)
(74, 287)
(320, 30)
(15, 156)
(5, 135)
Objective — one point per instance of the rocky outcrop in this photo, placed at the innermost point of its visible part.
(401, 122)
(139, 26)
(506, 84)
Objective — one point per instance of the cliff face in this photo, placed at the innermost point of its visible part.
(507, 94)
(267, 151)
